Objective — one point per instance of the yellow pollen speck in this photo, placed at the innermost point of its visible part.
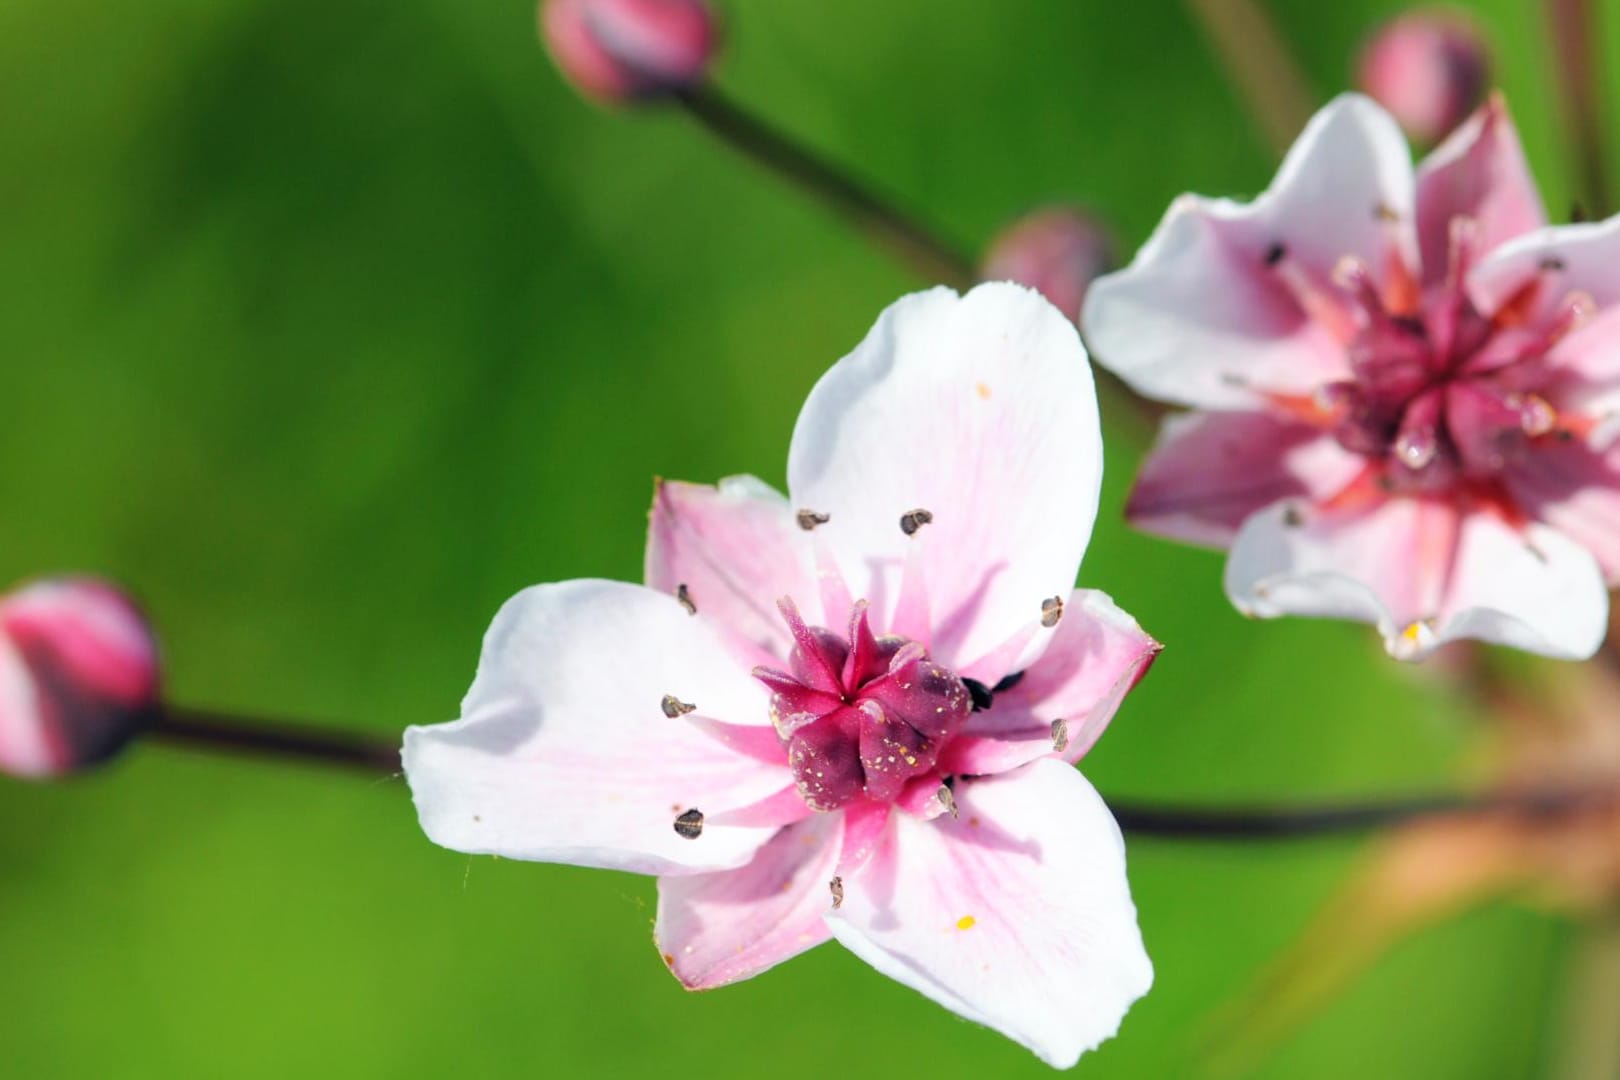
(983, 391)
(966, 922)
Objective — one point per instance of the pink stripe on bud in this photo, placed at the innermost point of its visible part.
(1429, 68)
(78, 675)
(1057, 251)
(624, 50)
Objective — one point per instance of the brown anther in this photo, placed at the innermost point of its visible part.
(836, 886)
(1292, 517)
(1552, 264)
(674, 706)
(1060, 735)
(1051, 611)
(689, 826)
(1275, 254)
(912, 520)
(1385, 212)
(685, 599)
(947, 799)
(809, 519)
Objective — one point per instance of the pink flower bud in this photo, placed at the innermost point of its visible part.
(1429, 68)
(622, 50)
(78, 675)
(1057, 251)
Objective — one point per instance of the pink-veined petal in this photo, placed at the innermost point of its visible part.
(1480, 173)
(1210, 472)
(564, 752)
(1529, 587)
(1205, 316)
(1576, 490)
(1584, 371)
(980, 410)
(724, 927)
(1563, 259)
(1423, 574)
(1015, 913)
(1385, 563)
(737, 549)
(1097, 655)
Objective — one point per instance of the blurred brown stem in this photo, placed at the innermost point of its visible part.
(1572, 27)
(914, 245)
(1590, 1047)
(210, 730)
(1258, 61)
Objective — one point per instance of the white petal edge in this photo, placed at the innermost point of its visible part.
(563, 752)
(1069, 907)
(1183, 323)
(1534, 590)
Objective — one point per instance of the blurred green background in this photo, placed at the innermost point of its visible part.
(330, 325)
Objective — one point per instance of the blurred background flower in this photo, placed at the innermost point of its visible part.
(332, 326)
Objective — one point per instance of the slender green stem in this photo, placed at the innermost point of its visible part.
(1260, 64)
(907, 240)
(885, 224)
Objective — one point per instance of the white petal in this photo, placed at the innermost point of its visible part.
(1531, 588)
(1423, 574)
(563, 752)
(1567, 258)
(979, 409)
(1384, 564)
(1015, 914)
(1199, 317)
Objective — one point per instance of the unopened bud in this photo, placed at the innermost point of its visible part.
(625, 50)
(78, 676)
(1058, 251)
(1429, 68)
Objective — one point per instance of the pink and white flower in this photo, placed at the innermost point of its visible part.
(1405, 388)
(849, 713)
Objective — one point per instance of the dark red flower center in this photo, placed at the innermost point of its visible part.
(862, 715)
(1440, 393)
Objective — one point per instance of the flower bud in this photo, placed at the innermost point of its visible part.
(78, 675)
(624, 50)
(1058, 251)
(1429, 68)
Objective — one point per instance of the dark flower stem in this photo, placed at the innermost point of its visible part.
(205, 729)
(886, 225)
(1572, 27)
(1257, 59)
(1285, 822)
